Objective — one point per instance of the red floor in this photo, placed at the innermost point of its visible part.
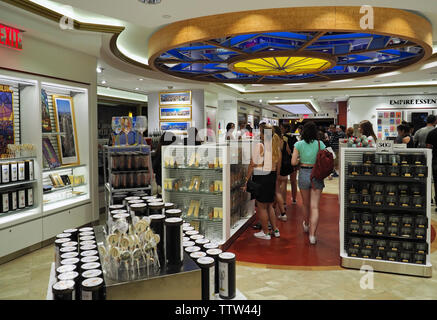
(293, 248)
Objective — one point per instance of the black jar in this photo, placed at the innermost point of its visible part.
(201, 242)
(368, 157)
(157, 226)
(58, 245)
(196, 255)
(156, 208)
(64, 290)
(65, 268)
(13, 200)
(207, 266)
(173, 213)
(73, 233)
(29, 170)
(214, 253)
(174, 251)
(93, 273)
(196, 237)
(21, 168)
(227, 288)
(139, 209)
(93, 289)
(72, 276)
(192, 249)
(117, 199)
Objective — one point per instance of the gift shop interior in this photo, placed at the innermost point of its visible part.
(174, 150)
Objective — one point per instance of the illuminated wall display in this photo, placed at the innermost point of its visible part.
(10, 37)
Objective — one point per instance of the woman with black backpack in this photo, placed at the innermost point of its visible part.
(305, 155)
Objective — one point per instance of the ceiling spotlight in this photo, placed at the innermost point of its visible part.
(141, 79)
(99, 70)
(103, 82)
(137, 88)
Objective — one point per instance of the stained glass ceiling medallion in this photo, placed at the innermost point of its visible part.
(285, 57)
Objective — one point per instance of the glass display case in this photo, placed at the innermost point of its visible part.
(127, 169)
(64, 184)
(385, 210)
(205, 183)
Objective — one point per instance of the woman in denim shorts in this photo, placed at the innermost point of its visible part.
(305, 155)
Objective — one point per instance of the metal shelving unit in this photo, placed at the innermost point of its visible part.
(399, 264)
(237, 208)
(108, 170)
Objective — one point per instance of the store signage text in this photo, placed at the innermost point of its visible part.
(385, 146)
(10, 37)
(413, 101)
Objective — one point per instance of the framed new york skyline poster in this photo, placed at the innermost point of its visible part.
(175, 126)
(66, 124)
(175, 98)
(175, 113)
(7, 135)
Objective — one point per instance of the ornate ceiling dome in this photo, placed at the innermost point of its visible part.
(290, 45)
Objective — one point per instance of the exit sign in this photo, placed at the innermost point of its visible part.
(10, 37)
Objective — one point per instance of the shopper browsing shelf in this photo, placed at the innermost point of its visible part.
(286, 169)
(305, 155)
(230, 128)
(431, 142)
(290, 140)
(405, 137)
(421, 134)
(264, 165)
(366, 129)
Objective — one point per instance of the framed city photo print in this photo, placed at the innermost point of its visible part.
(175, 127)
(6, 119)
(175, 98)
(66, 124)
(175, 113)
(46, 123)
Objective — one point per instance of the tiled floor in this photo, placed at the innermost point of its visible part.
(27, 278)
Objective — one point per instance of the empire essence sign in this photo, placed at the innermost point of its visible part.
(10, 37)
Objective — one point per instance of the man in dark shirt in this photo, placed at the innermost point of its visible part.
(431, 142)
(334, 143)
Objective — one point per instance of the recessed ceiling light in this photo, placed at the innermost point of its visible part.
(99, 70)
(260, 100)
(141, 79)
(257, 85)
(137, 88)
(103, 81)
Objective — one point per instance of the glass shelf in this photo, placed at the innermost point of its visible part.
(64, 168)
(196, 192)
(14, 184)
(195, 168)
(54, 133)
(17, 159)
(127, 189)
(2, 215)
(64, 199)
(64, 188)
(192, 218)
